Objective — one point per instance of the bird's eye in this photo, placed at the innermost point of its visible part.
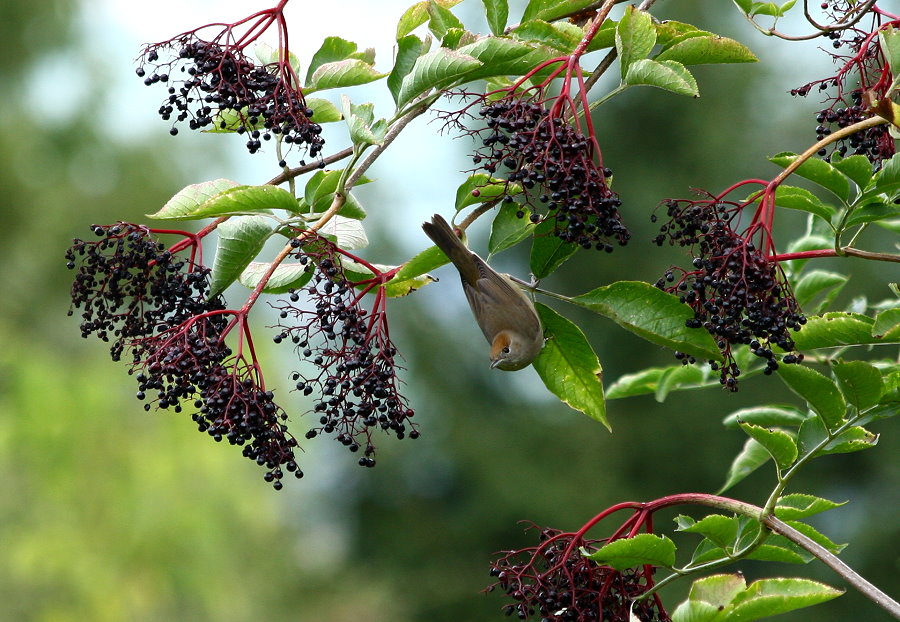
(505, 350)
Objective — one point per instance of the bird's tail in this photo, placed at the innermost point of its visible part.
(443, 236)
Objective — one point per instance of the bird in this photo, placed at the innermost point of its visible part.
(505, 314)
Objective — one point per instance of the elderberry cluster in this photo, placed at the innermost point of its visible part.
(354, 364)
(128, 285)
(738, 295)
(863, 70)
(157, 308)
(215, 86)
(558, 583)
(551, 166)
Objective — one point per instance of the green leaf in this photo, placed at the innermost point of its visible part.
(860, 383)
(708, 50)
(323, 110)
(240, 240)
(751, 457)
(668, 75)
(797, 505)
(550, 10)
(187, 200)
(856, 167)
(434, 69)
(793, 197)
(319, 193)
(440, 19)
(766, 416)
(887, 324)
(286, 276)
(507, 229)
(889, 41)
(409, 48)
(717, 591)
(820, 392)
(817, 171)
(497, 12)
(887, 180)
(364, 130)
(348, 233)
(652, 380)
(403, 287)
(417, 14)
(816, 282)
(670, 32)
(639, 550)
(494, 51)
(774, 553)
(635, 38)
(872, 212)
(779, 444)
(768, 597)
(247, 200)
(817, 537)
(744, 5)
(333, 49)
(838, 329)
(569, 367)
(342, 74)
(481, 188)
(652, 314)
(548, 251)
(772, 9)
(721, 530)
(561, 36)
(421, 263)
(852, 439)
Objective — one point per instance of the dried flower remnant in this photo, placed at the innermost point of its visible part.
(354, 379)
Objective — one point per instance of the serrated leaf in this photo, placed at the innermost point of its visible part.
(635, 38)
(548, 251)
(719, 529)
(793, 197)
(333, 49)
(569, 367)
(766, 416)
(797, 505)
(342, 74)
(718, 590)
(497, 12)
(837, 329)
(286, 276)
(422, 263)
(652, 314)
(771, 8)
(678, 377)
(240, 240)
(348, 233)
(190, 198)
(396, 288)
(768, 597)
(819, 538)
(887, 325)
(434, 69)
(242, 200)
(856, 167)
(561, 36)
(817, 171)
(816, 282)
(481, 188)
(750, 458)
(363, 128)
(820, 392)
(409, 48)
(778, 443)
(323, 110)
(417, 14)
(550, 10)
(872, 211)
(495, 50)
(440, 19)
(707, 50)
(860, 383)
(668, 75)
(508, 229)
(639, 550)
(319, 193)
(669, 32)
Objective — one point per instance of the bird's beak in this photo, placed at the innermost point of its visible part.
(495, 363)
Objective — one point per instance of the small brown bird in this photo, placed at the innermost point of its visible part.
(504, 312)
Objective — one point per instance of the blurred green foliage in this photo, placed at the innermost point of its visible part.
(109, 513)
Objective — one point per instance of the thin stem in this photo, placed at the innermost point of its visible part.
(306, 168)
